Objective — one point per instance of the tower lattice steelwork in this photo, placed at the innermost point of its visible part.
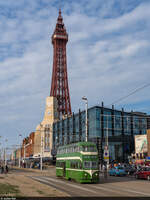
(59, 84)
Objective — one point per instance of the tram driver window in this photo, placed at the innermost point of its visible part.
(86, 164)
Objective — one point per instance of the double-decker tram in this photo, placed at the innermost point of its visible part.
(78, 161)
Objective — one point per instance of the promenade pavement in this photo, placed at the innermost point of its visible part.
(27, 186)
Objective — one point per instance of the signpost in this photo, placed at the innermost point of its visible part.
(106, 155)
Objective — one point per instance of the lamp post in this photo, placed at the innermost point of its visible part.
(86, 118)
(0, 154)
(106, 150)
(5, 152)
(107, 133)
(0, 151)
(19, 151)
(41, 157)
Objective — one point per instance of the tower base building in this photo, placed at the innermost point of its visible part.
(44, 134)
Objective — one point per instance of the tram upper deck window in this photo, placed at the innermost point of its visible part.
(89, 149)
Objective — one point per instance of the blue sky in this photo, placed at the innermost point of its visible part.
(107, 57)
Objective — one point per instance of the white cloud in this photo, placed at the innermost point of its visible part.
(107, 57)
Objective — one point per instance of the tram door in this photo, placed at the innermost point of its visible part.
(64, 169)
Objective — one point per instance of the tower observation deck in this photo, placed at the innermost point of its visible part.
(59, 83)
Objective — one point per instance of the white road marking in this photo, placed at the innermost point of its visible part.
(106, 189)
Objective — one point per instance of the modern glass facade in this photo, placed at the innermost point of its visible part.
(119, 126)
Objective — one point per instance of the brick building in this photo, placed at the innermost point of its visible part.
(28, 146)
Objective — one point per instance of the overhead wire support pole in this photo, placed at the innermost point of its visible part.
(86, 118)
(107, 140)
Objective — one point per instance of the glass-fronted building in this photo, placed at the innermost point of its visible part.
(118, 126)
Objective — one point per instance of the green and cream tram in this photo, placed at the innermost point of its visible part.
(78, 161)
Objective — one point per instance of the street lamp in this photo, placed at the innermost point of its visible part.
(41, 157)
(19, 150)
(5, 152)
(86, 120)
(106, 150)
(0, 151)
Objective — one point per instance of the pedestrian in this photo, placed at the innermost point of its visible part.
(6, 169)
(2, 170)
(105, 171)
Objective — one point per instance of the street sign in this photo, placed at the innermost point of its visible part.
(106, 155)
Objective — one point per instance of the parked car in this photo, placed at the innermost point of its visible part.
(117, 171)
(143, 173)
(130, 170)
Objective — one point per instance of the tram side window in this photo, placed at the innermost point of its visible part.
(59, 164)
(73, 165)
(80, 148)
(84, 148)
(80, 165)
(69, 149)
(76, 148)
(76, 165)
(92, 148)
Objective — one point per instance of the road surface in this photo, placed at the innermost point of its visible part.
(113, 186)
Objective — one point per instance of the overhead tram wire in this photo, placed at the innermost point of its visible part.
(136, 90)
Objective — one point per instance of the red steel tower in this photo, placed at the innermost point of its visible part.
(59, 83)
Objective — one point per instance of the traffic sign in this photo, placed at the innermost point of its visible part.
(106, 155)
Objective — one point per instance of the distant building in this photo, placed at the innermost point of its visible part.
(122, 127)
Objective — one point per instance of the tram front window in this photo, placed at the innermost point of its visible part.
(94, 165)
(89, 148)
(90, 164)
(87, 164)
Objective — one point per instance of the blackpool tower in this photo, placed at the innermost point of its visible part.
(59, 83)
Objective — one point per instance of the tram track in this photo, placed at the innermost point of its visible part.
(76, 189)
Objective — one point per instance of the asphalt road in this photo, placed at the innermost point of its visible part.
(113, 186)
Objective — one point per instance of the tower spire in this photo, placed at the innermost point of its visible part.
(59, 12)
(59, 84)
